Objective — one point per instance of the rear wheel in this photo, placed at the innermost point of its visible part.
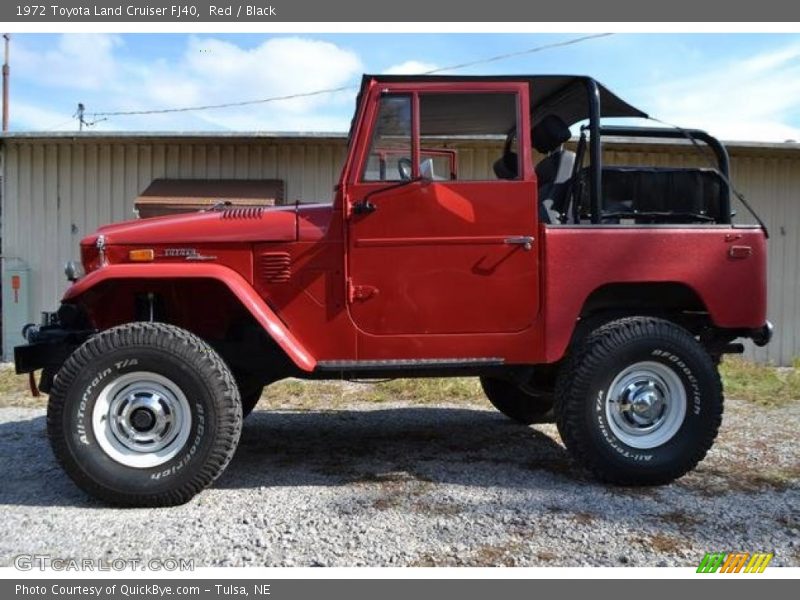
(517, 402)
(639, 402)
(144, 414)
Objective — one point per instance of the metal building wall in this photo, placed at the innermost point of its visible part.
(55, 191)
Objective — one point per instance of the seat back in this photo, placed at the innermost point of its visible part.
(506, 167)
(554, 171)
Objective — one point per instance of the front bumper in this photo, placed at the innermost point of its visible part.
(41, 355)
(49, 345)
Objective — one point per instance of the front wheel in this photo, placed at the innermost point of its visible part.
(144, 414)
(639, 402)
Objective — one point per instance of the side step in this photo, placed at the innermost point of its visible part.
(404, 364)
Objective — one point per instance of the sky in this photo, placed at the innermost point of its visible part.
(743, 87)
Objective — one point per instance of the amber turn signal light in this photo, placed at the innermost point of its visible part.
(141, 255)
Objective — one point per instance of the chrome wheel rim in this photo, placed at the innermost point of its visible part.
(141, 419)
(646, 405)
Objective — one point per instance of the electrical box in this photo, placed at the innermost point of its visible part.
(16, 304)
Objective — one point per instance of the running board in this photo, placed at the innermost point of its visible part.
(402, 364)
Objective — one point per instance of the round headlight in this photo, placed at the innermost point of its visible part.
(73, 270)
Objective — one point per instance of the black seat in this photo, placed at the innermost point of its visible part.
(507, 166)
(555, 170)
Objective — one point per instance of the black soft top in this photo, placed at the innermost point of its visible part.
(561, 95)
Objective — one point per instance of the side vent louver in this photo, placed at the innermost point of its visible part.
(274, 267)
(245, 212)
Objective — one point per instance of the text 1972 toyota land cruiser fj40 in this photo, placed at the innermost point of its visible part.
(606, 294)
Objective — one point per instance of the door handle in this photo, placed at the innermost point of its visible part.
(364, 207)
(526, 241)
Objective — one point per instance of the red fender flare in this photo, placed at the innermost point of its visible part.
(235, 283)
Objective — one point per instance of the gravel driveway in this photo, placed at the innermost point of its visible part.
(399, 484)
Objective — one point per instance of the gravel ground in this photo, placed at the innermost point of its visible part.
(398, 484)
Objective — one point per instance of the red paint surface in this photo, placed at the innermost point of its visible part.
(581, 259)
(233, 280)
(278, 223)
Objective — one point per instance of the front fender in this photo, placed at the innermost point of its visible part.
(240, 288)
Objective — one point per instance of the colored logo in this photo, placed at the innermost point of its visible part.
(734, 562)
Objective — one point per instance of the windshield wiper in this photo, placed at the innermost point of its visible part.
(218, 205)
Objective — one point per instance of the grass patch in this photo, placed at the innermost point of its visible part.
(297, 394)
(14, 390)
(426, 391)
(761, 384)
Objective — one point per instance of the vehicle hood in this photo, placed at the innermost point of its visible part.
(268, 224)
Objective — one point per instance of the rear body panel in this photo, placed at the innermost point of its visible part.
(725, 266)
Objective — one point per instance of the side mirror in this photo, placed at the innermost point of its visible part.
(426, 170)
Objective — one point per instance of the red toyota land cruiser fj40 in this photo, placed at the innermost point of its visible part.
(604, 294)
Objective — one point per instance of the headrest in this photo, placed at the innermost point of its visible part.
(549, 134)
(507, 166)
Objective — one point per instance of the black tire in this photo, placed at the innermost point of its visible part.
(517, 403)
(205, 400)
(250, 390)
(589, 424)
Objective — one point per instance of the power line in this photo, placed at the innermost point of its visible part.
(59, 125)
(491, 59)
(80, 114)
(225, 105)
(481, 61)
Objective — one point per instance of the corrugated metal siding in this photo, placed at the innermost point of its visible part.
(55, 192)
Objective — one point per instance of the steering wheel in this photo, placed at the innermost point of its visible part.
(405, 168)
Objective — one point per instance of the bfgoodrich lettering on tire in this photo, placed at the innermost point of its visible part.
(639, 402)
(144, 414)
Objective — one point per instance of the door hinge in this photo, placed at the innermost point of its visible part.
(360, 292)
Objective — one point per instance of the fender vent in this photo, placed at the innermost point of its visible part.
(274, 267)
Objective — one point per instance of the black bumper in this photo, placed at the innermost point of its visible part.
(41, 355)
(49, 344)
(49, 347)
(763, 335)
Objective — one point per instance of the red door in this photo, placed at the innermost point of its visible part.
(445, 258)
(440, 256)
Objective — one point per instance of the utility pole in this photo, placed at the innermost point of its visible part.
(79, 115)
(6, 74)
